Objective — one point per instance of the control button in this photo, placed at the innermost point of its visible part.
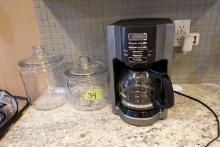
(125, 54)
(149, 55)
(142, 43)
(142, 47)
(138, 59)
(132, 47)
(137, 51)
(137, 55)
(125, 51)
(132, 42)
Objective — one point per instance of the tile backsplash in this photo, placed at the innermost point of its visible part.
(78, 27)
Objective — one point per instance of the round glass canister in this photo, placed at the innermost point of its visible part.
(88, 84)
(44, 80)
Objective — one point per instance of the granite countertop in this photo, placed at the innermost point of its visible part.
(188, 124)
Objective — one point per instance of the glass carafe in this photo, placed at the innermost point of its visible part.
(145, 89)
(136, 89)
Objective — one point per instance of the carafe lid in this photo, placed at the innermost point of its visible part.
(86, 67)
(40, 58)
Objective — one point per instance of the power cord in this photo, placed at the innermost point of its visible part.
(210, 109)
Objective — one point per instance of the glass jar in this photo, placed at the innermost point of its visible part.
(43, 79)
(88, 84)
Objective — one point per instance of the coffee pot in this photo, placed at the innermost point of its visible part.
(143, 90)
(139, 52)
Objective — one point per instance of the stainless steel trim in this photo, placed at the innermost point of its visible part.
(146, 106)
(141, 121)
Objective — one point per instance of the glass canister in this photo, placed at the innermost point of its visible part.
(44, 80)
(88, 84)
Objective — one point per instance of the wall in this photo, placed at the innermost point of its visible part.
(18, 33)
(76, 27)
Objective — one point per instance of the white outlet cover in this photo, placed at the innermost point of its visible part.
(182, 26)
(178, 40)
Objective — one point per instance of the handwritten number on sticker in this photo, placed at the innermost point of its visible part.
(92, 95)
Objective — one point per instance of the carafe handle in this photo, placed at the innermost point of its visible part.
(163, 95)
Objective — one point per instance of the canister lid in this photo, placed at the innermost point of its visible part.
(40, 58)
(87, 67)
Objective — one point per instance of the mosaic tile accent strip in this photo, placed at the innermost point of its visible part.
(78, 27)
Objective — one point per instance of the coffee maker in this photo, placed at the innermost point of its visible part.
(139, 52)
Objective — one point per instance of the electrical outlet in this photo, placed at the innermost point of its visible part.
(182, 27)
(178, 40)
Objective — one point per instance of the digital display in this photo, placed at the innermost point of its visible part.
(137, 36)
(138, 59)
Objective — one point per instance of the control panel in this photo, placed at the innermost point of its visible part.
(138, 47)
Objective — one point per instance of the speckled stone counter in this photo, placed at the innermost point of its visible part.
(188, 124)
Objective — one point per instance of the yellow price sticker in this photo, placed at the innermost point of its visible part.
(93, 94)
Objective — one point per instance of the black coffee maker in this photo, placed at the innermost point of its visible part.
(139, 51)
